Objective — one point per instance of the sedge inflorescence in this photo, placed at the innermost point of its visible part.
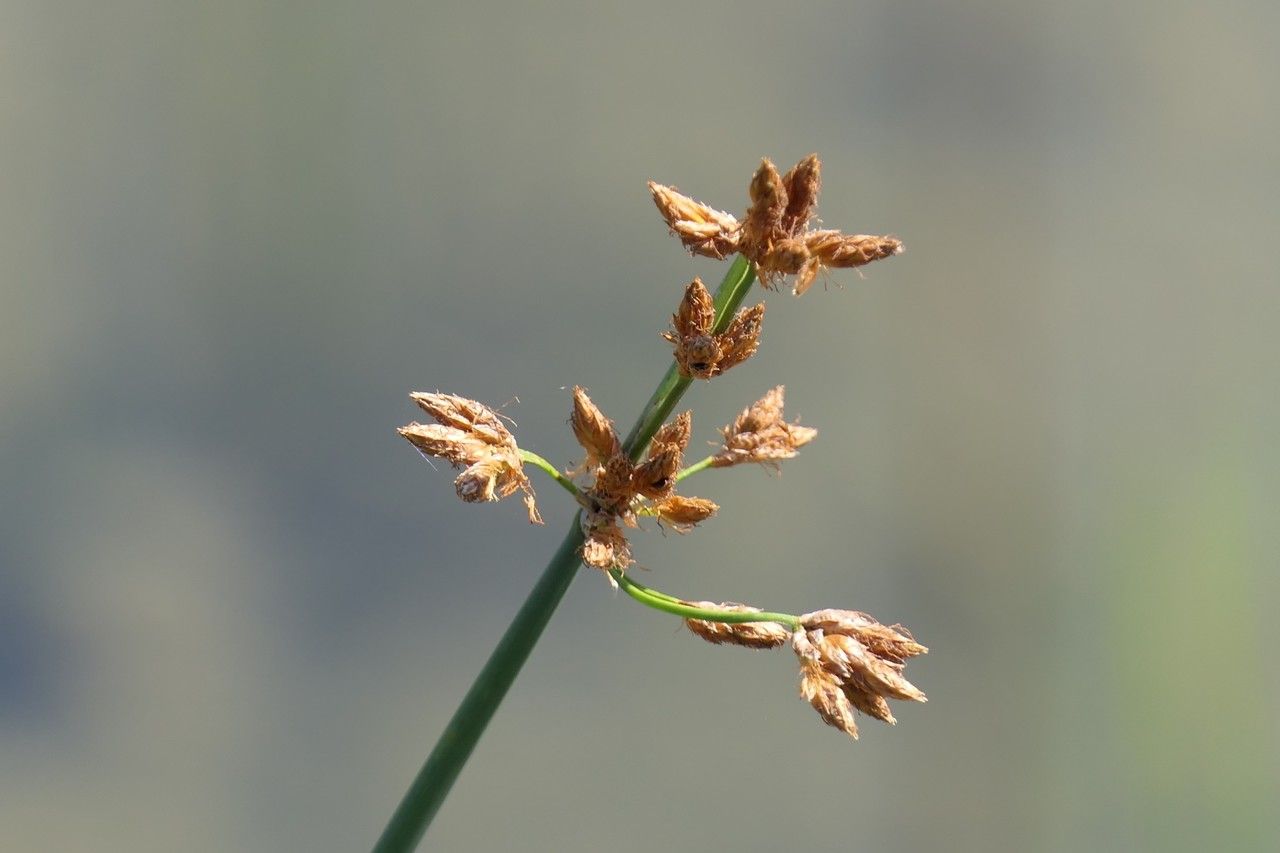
(849, 662)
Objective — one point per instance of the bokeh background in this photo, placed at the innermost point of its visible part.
(236, 609)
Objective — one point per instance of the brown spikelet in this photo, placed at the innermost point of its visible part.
(802, 183)
(446, 442)
(613, 490)
(470, 435)
(742, 338)
(841, 251)
(753, 635)
(605, 547)
(763, 224)
(850, 652)
(683, 513)
(655, 477)
(593, 430)
(760, 434)
(701, 228)
(473, 418)
(673, 433)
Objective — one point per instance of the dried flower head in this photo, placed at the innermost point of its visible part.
(621, 488)
(774, 234)
(760, 434)
(701, 228)
(701, 353)
(683, 513)
(753, 635)
(470, 435)
(849, 661)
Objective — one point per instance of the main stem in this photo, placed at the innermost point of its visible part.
(432, 784)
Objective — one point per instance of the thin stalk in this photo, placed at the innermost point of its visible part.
(669, 604)
(695, 467)
(552, 472)
(432, 784)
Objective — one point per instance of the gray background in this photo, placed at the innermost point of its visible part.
(236, 609)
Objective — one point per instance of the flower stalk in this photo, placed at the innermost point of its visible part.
(432, 784)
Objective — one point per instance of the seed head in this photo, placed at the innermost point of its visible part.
(701, 228)
(774, 235)
(753, 635)
(470, 435)
(850, 661)
(700, 353)
(760, 434)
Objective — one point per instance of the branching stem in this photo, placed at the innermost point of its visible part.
(432, 784)
(669, 604)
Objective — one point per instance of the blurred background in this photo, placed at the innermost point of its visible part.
(236, 609)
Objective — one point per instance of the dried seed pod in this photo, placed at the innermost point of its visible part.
(842, 251)
(701, 228)
(753, 635)
(593, 430)
(683, 513)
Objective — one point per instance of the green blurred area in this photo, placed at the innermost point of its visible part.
(236, 609)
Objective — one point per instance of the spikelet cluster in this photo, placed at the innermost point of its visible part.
(760, 434)
(700, 351)
(620, 489)
(849, 662)
(471, 436)
(774, 233)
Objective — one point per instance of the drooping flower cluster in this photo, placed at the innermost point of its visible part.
(774, 234)
(621, 489)
(472, 436)
(848, 661)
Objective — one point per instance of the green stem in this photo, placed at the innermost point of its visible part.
(700, 465)
(670, 604)
(551, 471)
(432, 784)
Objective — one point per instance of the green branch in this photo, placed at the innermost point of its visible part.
(432, 784)
(552, 472)
(670, 604)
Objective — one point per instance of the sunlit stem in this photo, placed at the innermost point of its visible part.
(551, 471)
(670, 604)
(695, 467)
